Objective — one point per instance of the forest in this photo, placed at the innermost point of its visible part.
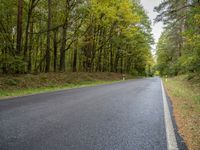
(39, 36)
(178, 49)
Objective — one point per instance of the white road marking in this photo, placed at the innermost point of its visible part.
(171, 139)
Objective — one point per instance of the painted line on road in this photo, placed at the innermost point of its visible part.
(171, 138)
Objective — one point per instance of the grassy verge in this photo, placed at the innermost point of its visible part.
(19, 85)
(185, 96)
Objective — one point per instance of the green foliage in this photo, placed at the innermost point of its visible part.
(178, 50)
(11, 82)
(10, 64)
(91, 36)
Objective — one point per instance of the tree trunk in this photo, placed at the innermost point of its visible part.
(19, 27)
(48, 57)
(75, 56)
(116, 61)
(30, 10)
(30, 49)
(55, 50)
(111, 58)
(62, 49)
(122, 70)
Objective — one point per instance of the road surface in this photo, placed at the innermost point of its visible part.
(119, 116)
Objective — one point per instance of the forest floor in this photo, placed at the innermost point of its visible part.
(184, 93)
(18, 85)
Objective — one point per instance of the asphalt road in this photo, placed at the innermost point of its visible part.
(120, 116)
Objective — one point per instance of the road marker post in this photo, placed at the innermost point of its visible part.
(123, 77)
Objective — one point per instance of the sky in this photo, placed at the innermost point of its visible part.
(149, 7)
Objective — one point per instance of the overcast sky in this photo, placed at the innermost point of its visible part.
(149, 6)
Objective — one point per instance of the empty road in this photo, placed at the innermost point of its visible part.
(120, 116)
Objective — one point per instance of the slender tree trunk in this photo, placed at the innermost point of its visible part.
(26, 38)
(75, 56)
(64, 38)
(100, 43)
(62, 49)
(4, 66)
(122, 70)
(55, 50)
(26, 32)
(19, 27)
(111, 58)
(31, 7)
(116, 61)
(48, 57)
(30, 49)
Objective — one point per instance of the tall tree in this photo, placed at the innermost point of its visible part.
(48, 57)
(19, 27)
(31, 5)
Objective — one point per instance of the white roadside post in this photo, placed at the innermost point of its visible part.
(123, 76)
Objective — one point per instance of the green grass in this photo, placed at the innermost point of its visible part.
(11, 86)
(185, 96)
(21, 92)
(184, 89)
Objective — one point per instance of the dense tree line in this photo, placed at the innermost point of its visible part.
(74, 35)
(178, 49)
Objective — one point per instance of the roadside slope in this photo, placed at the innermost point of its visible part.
(185, 97)
(16, 85)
